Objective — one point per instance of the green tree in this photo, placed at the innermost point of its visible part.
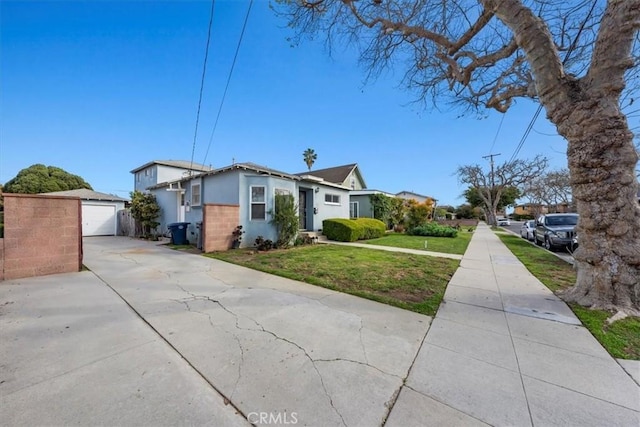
(145, 210)
(44, 179)
(285, 218)
(489, 186)
(508, 197)
(579, 60)
(382, 207)
(310, 157)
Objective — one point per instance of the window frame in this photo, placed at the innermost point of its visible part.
(252, 202)
(197, 184)
(357, 209)
(332, 195)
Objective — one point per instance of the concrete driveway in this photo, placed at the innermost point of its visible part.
(255, 347)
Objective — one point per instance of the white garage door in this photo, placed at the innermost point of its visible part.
(98, 220)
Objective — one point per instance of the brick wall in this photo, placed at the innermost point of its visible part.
(42, 235)
(218, 222)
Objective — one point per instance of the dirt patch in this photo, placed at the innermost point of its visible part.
(408, 296)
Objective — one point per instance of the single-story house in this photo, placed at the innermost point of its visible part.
(360, 202)
(99, 211)
(409, 195)
(244, 194)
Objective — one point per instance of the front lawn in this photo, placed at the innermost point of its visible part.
(412, 282)
(621, 339)
(450, 245)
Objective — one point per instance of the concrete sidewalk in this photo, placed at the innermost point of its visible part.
(203, 342)
(503, 350)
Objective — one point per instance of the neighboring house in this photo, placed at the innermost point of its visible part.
(244, 193)
(347, 176)
(99, 211)
(360, 202)
(530, 209)
(409, 195)
(158, 171)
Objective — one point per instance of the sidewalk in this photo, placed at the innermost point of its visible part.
(503, 350)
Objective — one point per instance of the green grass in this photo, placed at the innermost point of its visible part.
(456, 245)
(621, 338)
(412, 282)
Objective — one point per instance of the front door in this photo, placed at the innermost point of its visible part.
(181, 209)
(302, 209)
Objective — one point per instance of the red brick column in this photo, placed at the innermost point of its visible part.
(218, 222)
(42, 235)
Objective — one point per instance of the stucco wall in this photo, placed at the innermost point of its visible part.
(327, 210)
(364, 205)
(218, 223)
(42, 235)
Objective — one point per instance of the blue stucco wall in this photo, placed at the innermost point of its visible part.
(168, 202)
(364, 205)
(325, 210)
(255, 228)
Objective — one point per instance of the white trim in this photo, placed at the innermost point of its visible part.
(338, 203)
(357, 204)
(197, 183)
(251, 202)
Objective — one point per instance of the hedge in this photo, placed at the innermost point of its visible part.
(371, 228)
(433, 229)
(341, 230)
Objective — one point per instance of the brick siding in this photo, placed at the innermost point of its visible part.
(42, 235)
(218, 223)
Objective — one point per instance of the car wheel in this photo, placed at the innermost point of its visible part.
(547, 244)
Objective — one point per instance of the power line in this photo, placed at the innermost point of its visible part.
(566, 59)
(224, 95)
(497, 133)
(204, 73)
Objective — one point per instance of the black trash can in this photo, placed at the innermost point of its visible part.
(179, 233)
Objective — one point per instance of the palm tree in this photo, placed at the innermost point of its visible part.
(310, 157)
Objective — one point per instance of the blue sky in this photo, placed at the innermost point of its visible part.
(99, 88)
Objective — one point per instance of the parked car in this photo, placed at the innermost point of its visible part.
(528, 229)
(556, 230)
(503, 221)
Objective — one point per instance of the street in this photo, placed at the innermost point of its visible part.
(515, 228)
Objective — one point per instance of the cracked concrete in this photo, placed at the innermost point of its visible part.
(268, 344)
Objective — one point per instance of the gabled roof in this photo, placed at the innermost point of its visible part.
(86, 194)
(253, 167)
(337, 174)
(180, 164)
(411, 193)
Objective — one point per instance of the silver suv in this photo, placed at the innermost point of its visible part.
(556, 230)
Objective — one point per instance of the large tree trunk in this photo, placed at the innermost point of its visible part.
(602, 160)
(601, 154)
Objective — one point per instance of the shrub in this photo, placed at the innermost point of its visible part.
(418, 214)
(341, 230)
(264, 245)
(285, 218)
(371, 228)
(434, 230)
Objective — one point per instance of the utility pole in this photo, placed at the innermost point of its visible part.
(493, 183)
(490, 157)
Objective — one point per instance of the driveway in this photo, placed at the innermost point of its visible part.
(269, 348)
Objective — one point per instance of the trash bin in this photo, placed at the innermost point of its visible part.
(179, 233)
(199, 227)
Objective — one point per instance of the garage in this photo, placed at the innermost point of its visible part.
(99, 211)
(98, 220)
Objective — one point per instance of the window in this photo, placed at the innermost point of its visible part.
(147, 172)
(138, 176)
(333, 199)
(354, 210)
(258, 203)
(195, 194)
